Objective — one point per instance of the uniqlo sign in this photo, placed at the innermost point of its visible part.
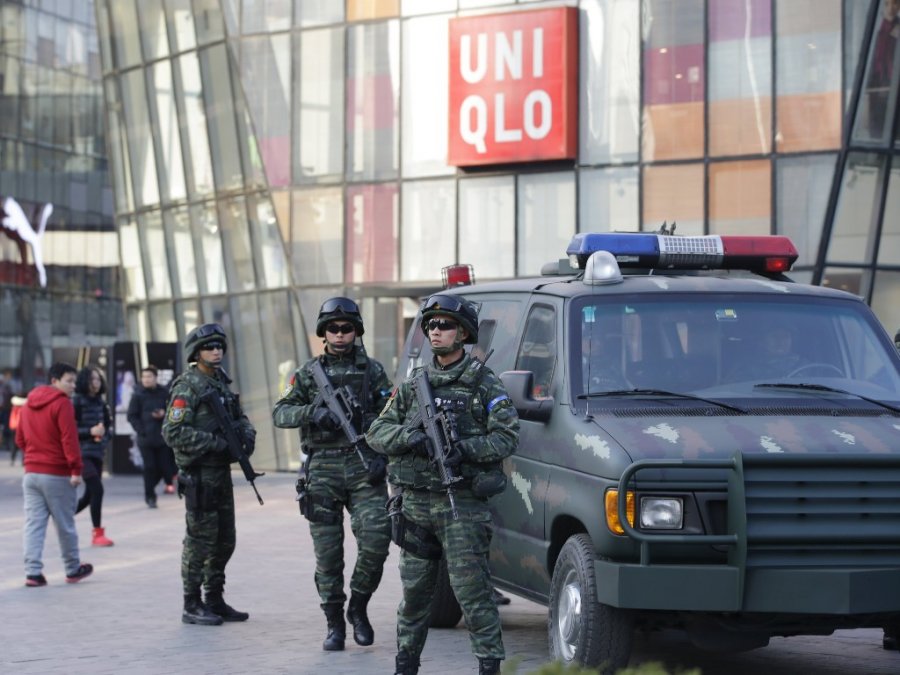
(513, 84)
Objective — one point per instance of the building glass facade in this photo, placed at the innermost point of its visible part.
(267, 154)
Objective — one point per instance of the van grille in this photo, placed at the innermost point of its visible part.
(767, 411)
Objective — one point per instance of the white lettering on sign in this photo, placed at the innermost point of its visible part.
(473, 135)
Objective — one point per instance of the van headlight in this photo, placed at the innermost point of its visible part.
(662, 513)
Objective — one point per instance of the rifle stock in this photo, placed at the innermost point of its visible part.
(232, 438)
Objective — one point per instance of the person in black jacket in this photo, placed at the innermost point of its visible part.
(145, 414)
(94, 433)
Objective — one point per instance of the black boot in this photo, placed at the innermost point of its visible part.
(337, 629)
(407, 664)
(356, 615)
(488, 666)
(198, 613)
(217, 605)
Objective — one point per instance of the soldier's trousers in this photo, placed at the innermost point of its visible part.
(210, 537)
(341, 477)
(466, 544)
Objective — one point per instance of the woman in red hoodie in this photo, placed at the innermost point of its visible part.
(48, 437)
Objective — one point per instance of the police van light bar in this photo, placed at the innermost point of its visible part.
(764, 253)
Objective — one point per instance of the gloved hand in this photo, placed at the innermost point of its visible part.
(420, 444)
(221, 444)
(325, 419)
(454, 457)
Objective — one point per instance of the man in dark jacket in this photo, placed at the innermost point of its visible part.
(146, 412)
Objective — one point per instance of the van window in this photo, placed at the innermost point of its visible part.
(538, 351)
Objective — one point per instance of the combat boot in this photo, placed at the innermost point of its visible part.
(488, 666)
(356, 615)
(337, 629)
(217, 605)
(407, 664)
(198, 613)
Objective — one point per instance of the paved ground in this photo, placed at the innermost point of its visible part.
(126, 617)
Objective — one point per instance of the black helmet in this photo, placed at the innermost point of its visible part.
(454, 306)
(208, 332)
(339, 309)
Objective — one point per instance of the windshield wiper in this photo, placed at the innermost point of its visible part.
(661, 392)
(806, 386)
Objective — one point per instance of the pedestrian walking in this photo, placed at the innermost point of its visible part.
(339, 474)
(428, 524)
(146, 412)
(94, 433)
(203, 460)
(48, 437)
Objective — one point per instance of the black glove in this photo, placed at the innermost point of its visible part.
(377, 470)
(420, 444)
(325, 419)
(454, 457)
(221, 444)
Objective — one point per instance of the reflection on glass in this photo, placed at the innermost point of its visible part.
(852, 230)
(135, 288)
(487, 226)
(801, 191)
(318, 12)
(124, 22)
(220, 115)
(266, 16)
(740, 197)
(211, 26)
(317, 236)
(197, 157)
(178, 222)
(162, 323)
(171, 168)
(429, 224)
(153, 29)
(889, 242)
(546, 208)
(140, 139)
(886, 300)
(155, 258)
(371, 233)
(206, 233)
(187, 315)
(673, 194)
(358, 10)
(266, 78)
(608, 200)
(181, 24)
(118, 148)
(880, 88)
(411, 7)
(272, 264)
(236, 244)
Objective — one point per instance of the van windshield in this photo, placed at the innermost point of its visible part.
(725, 345)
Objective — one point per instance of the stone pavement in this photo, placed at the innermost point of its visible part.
(126, 617)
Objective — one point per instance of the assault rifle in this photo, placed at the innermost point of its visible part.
(343, 404)
(234, 438)
(440, 427)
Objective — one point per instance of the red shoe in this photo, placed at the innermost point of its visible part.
(170, 489)
(100, 538)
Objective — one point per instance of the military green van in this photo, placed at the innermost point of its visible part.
(705, 445)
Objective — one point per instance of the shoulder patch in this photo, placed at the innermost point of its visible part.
(390, 401)
(289, 387)
(177, 410)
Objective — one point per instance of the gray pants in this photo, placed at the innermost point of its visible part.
(46, 496)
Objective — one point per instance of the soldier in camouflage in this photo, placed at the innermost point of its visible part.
(488, 429)
(334, 476)
(204, 478)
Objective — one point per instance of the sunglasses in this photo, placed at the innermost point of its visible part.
(441, 324)
(343, 328)
(213, 345)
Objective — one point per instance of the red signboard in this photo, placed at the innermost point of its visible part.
(513, 84)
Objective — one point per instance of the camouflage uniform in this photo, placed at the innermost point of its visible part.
(488, 428)
(210, 537)
(337, 477)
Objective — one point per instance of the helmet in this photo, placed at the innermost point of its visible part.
(339, 309)
(454, 306)
(208, 332)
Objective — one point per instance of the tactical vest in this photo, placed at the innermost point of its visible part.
(357, 379)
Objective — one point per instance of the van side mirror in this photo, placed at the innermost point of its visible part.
(520, 387)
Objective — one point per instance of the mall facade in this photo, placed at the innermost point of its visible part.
(239, 161)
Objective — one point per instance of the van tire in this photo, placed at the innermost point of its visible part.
(580, 629)
(445, 610)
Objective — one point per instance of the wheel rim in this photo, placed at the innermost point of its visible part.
(568, 616)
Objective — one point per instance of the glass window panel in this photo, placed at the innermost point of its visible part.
(358, 10)
(740, 77)
(801, 196)
(371, 251)
(187, 315)
(673, 194)
(270, 255)
(487, 225)
(210, 24)
(162, 323)
(266, 16)
(853, 229)
(236, 244)
(372, 101)
(808, 75)
(889, 243)
(254, 175)
(156, 260)
(266, 78)
(206, 234)
(171, 169)
(124, 33)
(425, 113)
(220, 115)
(879, 95)
(411, 7)
(281, 357)
(546, 211)
(230, 8)
(610, 94)
(118, 148)
(740, 197)
(181, 25)
(153, 30)
(608, 200)
(10, 95)
(178, 222)
(886, 300)
(429, 224)
(470, 4)
(319, 125)
(673, 79)
(855, 12)
(197, 156)
(140, 139)
(318, 12)
(317, 236)
(135, 288)
(848, 280)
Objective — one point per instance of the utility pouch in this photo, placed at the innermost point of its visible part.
(377, 470)
(422, 543)
(188, 489)
(394, 508)
(302, 494)
(488, 483)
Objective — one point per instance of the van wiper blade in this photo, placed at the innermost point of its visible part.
(806, 386)
(662, 392)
